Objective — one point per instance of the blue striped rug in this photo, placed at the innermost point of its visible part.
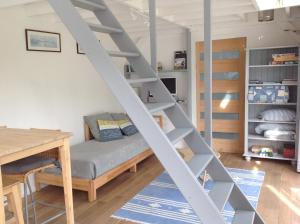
(162, 203)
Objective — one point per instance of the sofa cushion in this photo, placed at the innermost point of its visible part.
(27, 164)
(119, 116)
(109, 130)
(93, 158)
(92, 122)
(127, 127)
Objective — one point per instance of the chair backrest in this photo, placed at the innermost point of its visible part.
(8, 183)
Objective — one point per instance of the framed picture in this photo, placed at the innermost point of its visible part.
(79, 50)
(180, 60)
(37, 40)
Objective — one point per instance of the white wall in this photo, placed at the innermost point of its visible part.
(46, 90)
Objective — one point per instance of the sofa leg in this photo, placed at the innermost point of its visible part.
(92, 193)
(133, 169)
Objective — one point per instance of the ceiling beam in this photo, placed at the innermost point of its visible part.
(217, 7)
(146, 14)
(194, 22)
(198, 15)
(12, 3)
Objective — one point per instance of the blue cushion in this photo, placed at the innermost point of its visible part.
(109, 130)
(126, 126)
(92, 122)
(27, 164)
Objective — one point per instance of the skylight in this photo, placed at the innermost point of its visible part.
(274, 4)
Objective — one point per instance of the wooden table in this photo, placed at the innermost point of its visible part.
(16, 144)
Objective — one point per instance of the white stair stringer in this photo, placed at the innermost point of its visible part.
(185, 175)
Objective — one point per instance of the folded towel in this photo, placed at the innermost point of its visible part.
(284, 135)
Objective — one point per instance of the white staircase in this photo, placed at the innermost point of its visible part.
(186, 175)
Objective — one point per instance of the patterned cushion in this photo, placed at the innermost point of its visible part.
(268, 94)
(109, 130)
(127, 127)
(27, 164)
(92, 122)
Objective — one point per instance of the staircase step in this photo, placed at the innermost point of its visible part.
(88, 5)
(104, 29)
(178, 134)
(220, 193)
(245, 217)
(199, 162)
(155, 107)
(142, 80)
(123, 54)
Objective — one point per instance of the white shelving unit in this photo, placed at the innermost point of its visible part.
(259, 69)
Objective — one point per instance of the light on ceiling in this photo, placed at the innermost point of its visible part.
(274, 4)
(266, 15)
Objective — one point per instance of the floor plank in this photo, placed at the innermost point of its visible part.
(279, 201)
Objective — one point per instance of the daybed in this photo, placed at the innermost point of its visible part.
(95, 163)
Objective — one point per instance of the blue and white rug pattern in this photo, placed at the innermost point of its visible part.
(162, 203)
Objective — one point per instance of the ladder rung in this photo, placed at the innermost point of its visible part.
(104, 29)
(122, 54)
(178, 134)
(92, 6)
(155, 107)
(142, 80)
(199, 162)
(245, 217)
(220, 193)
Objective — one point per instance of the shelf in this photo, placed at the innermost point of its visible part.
(277, 104)
(276, 157)
(271, 66)
(172, 71)
(261, 138)
(164, 71)
(272, 48)
(269, 84)
(271, 122)
(262, 73)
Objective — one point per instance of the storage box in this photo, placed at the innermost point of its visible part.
(284, 58)
(268, 94)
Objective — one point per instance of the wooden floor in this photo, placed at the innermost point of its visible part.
(279, 200)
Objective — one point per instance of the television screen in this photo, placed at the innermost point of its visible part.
(170, 83)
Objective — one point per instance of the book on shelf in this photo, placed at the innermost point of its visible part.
(289, 81)
(284, 59)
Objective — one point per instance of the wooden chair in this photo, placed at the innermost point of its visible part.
(11, 189)
(33, 165)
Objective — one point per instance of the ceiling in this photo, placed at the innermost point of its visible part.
(133, 14)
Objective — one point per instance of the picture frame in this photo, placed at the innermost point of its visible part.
(79, 50)
(43, 41)
(180, 60)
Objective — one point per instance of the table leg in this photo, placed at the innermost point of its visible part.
(64, 153)
(2, 214)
